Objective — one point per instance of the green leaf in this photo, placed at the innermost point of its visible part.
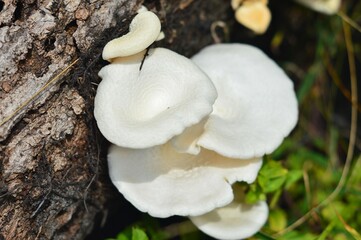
(134, 233)
(292, 177)
(277, 220)
(139, 234)
(272, 176)
(153, 229)
(125, 234)
(254, 194)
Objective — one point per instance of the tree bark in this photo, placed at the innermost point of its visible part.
(53, 175)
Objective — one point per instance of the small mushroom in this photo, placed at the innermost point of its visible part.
(163, 182)
(235, 221)
(237, 3)
(143, 31)
(324, 6)
(254, 15)
(256, 105)
(141, 109)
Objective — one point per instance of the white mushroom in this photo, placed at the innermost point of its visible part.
(187, 142)
(234, 221)
(254, 15)
(215, 142)
(140, 109)
(143, 31)
(163, 182)
(256, 105)
(323, 6)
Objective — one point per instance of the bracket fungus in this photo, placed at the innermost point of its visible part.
(256, 105)
(164, 182)
(237, 220)
(183, 131)
(140, 109)
(253, 14)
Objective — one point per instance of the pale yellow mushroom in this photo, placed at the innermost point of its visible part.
(144, 29)
(254, 15)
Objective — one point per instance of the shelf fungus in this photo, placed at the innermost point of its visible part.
(184, 131)
(142, 108)
(237, 220)
(253, 14)
(164, 182)
(256, 105)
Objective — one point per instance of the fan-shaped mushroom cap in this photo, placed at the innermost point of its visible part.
(163, 182)
(143, 31)
(234, 221)
(323, 6)
(140, 109)
(254, 15)
(256, 105)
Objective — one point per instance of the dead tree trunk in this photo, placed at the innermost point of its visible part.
(53, 176)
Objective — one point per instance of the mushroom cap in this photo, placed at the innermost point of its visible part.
(254, 15)
(143, 31)
(140, 109)
(234, 221)
(256, 105)
(187, 142)
(163, 182)
(324, 6)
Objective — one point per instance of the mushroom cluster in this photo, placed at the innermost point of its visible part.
(183, 131)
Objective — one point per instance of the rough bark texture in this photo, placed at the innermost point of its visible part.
(53, 178)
